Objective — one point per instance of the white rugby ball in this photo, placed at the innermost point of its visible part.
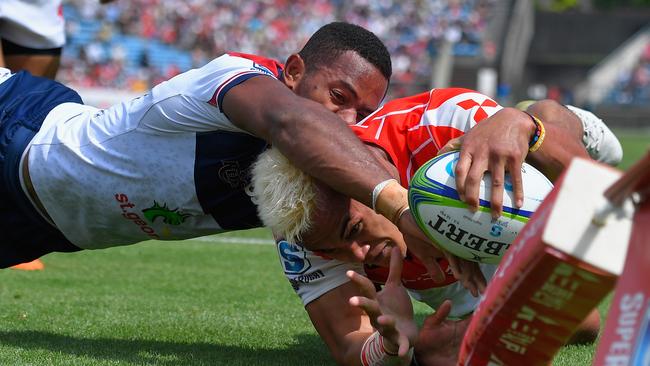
(445, 219)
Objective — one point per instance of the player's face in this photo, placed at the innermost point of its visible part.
(351, 86)
(349, 231)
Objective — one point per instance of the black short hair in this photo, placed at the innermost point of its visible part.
(333, 39)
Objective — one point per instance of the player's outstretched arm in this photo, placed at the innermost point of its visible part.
(313, 138)
(390, 310)
(357, 323)
(343, 327)
(563, 139)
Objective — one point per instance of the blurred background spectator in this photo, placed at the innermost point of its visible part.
(133, 45)
(583, 52)
(633, 86)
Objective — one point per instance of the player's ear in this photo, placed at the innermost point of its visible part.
(294, 70)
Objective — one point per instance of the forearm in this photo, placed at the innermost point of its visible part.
(344, 328)
(322, 145)
(347, 349)
(375, 350)
(349, 353)
(563, 139)
(314, 139)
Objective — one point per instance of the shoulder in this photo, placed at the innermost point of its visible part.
(263, 64)
(311, 275)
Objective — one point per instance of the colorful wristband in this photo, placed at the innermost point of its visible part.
(539, 135)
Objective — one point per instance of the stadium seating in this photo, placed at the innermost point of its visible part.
(133, 45)
(633, 86)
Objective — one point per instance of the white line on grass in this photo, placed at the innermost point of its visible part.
(234, 240)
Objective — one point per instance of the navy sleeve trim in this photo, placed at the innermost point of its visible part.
(217, 98)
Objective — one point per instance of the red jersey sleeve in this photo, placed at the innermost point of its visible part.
(412, 130)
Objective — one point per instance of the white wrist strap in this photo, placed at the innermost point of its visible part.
(373, 353)
(377, 190)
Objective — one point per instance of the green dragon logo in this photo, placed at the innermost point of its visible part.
(171, 217)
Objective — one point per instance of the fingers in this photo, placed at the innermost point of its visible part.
(427, 254)
(404, 345)
(360, 252)
(517, 182)
(371, 307)
(461, 170)
(474, 281)
(444, 309)
(453, 144)
(481, 281)
(454, 264)
(435, 319)
(464, 276)
(436, 272)
(395, 269)
(390, 332)
(469, 174)
(422, 247)
(363, 284)
(497, 174)
(473, 184)
(468, 273)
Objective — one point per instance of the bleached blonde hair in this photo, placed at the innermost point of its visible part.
(285, 196)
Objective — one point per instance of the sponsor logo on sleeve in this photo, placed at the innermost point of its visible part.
(305, 279)
(293, 258)
(263, 69)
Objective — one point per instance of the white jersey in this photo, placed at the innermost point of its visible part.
(312, 276)
(168, 165)
(33, 24)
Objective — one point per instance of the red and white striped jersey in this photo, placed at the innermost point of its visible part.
(412, 130)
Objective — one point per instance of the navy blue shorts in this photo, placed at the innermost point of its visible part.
(25, 100)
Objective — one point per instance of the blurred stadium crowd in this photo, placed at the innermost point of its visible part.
(133, 45)
(633, 86)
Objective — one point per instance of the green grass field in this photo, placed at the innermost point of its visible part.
(203, 302)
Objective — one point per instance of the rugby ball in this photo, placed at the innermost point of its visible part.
(440, 213)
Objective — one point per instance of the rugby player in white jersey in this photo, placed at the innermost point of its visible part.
(32, 35)
(173, 163)
(347, 239)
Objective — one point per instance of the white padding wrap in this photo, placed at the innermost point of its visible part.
(373, 353)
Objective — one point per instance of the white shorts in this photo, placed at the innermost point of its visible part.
(35, 24)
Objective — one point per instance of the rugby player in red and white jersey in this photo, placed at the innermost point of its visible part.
(347, 239)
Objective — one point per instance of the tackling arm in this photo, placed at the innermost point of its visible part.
(319, 143)
(563, 138)
(346, 329)
(347, 316)
(314, 139)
